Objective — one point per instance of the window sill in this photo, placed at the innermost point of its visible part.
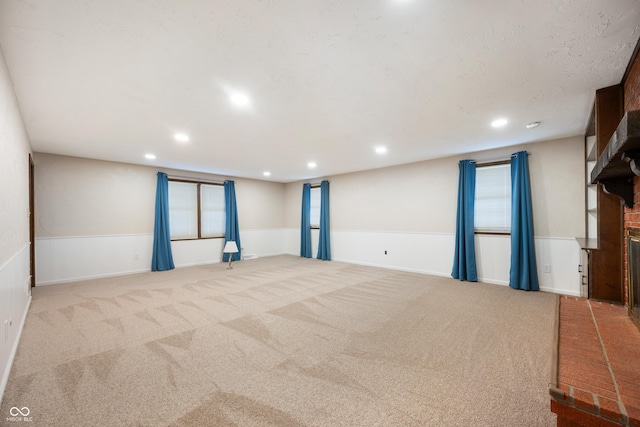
(493, 233)
(197, 238)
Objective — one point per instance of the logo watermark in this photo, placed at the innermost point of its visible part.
(19, 414)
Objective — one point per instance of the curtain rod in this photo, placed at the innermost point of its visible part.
(187, 178)
(496, 162)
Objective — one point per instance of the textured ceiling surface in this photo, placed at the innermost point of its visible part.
(328, 80)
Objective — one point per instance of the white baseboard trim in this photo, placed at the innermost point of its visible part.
(195, 264)
(542, 288)
(440, 274)
(121, 273)
(73, 259)
(560, 291)
(393, 267)
(493, 282)
(14, 350)
(125, 273)
(92, 277)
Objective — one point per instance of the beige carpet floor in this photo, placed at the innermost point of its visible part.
(283, 341)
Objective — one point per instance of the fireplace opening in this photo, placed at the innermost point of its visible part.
(634, 276)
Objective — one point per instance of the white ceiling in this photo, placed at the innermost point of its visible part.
(329, 79)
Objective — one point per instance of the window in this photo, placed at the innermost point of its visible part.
(493, 198)
(183, 210)
(212, 212)
(314, 215)
(196, 210)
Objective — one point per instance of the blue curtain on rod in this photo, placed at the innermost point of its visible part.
(305, 226)
(162, 258)
(324, 244)
(464, 260)
(231, 229)
(524, 273)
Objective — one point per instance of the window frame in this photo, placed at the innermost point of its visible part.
(198, 208)
(485, 232)
(315, 186)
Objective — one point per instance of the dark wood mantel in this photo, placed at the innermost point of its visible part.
(620, 160)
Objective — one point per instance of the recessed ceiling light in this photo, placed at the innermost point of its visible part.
(498, 123)
(311, 165)
(381, 150)
(150, 156)
(532, 125)
(181, 137)
(266, 173)
(240, 99)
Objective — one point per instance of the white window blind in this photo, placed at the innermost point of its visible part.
(212, 213)
(493, 198)
(314, 216)
(183, 210)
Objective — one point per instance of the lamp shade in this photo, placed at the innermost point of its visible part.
(230, 247)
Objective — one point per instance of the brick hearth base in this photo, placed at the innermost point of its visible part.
(598, 378)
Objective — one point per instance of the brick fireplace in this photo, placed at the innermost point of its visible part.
(632, 215)
(632, 255)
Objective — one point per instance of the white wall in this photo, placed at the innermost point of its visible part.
(95, 219)
(409, 211)
(15, 291)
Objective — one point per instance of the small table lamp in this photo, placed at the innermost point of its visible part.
(230, 248)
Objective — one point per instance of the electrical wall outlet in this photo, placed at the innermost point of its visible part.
(7, 324)
(547, 268)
